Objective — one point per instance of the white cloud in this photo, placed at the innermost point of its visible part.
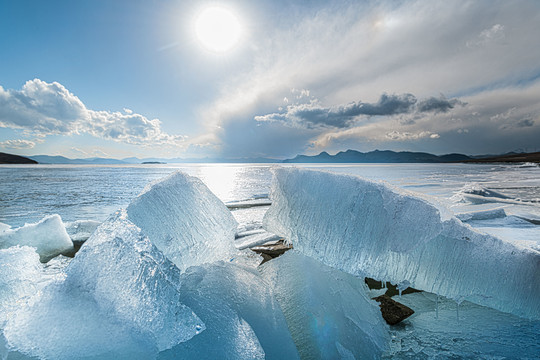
(17, 144)
(43, 109)
(79, 151)
(493, 34)
(401, 136)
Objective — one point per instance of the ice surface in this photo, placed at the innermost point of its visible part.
(130, 278)
(367, 228)
(81, 230)
(497, 213)
(120, 297)
(258, 238)
(478, 333)
(4, 227)
(20, 275)
(477, 194)
(48, 236)
(65, 323)
(328, 311)
(243, 319)
(184, 220)
(243, 204)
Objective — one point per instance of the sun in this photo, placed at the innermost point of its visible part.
(217, 29)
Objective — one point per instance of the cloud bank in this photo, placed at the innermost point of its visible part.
(314, 115)
(41, 109)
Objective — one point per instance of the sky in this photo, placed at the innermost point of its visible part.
(149, 78)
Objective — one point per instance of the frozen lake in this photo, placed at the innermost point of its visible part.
(80, 192)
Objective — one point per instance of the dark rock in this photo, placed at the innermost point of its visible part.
(391, 289)
(265, 258)
(392, 311)
(270, 251)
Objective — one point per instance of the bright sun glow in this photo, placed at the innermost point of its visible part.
(217, 29)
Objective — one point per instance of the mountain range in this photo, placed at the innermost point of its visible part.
(349, 156)
(377, 156)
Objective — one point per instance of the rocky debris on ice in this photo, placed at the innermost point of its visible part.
(48, 237)
(392, 311)
(272, 250)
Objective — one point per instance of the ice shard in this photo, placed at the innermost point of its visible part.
(20, 277)
(48, 236)
(130, 278)
(328, 311)
(368, 228)
(120, 298)
(184, 220)
(243, 319)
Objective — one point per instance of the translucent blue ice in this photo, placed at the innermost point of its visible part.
(328, 311)
(243, 319)
(184, 220)
(368, 228)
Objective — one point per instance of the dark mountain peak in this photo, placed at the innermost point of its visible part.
(15, 159)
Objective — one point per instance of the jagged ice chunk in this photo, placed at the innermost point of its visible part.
(184, 220)
(48, 236)
(243, 319)
(328, 311)
(369, 229)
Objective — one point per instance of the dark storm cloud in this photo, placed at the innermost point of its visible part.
(525, 123)
(440, 104)
(313, 115)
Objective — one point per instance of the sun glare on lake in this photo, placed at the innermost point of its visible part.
(217, 29)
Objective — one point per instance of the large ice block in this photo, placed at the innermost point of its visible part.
(328, 311)
(243, 319)
(48, 236)
(367, 228)
(184, 220)
(131, 279)
(120, 297)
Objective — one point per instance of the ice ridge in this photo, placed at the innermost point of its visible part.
(370, 229)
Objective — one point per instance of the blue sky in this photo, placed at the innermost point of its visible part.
(132, 78)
